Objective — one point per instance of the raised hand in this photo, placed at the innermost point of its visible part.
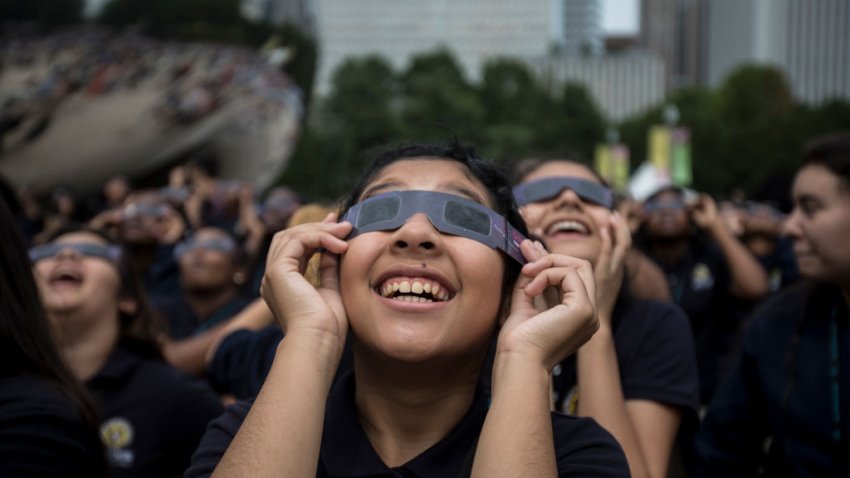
(546, 337)
(704, 212)
(610, 265)
(297, 305)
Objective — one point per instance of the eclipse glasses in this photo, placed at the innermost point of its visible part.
(110, 253)
(448, 213)
(548, 188)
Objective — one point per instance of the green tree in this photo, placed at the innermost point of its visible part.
(436, 99)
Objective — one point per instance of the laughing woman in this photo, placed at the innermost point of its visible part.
(637, 375)
(152, 416)
(421, 272)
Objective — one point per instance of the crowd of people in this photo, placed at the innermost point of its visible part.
(445, 319)
(195, 78)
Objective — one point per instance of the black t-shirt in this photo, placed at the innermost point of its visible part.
(242, 361)
(780, 387)
(152, 416)
(655, 356)
(699, 284)
(583, 448)
(182, 321)
(41, 434)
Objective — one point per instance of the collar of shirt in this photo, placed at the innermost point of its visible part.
(346, 451)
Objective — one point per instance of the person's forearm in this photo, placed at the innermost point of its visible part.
(516, 439)
(748, 278)
(189, 355)
(281, 436)
(601, 396)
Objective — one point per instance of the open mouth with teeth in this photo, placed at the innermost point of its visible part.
(567, 227)
(414, 290)
(66, 278)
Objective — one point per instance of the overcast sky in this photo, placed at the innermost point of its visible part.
(620, 16)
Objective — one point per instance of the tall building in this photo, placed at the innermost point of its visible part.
(676, 30)
(621, 85)
(809, 40)
(473, 30)
(581, 27)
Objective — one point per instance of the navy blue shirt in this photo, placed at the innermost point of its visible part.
(152, 416)
(655, 356)
(583, 448)
(780, 387)
(41, 434)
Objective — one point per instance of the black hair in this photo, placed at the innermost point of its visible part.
(27, 345)
(140, 330)
(831, 151)
(487, 173)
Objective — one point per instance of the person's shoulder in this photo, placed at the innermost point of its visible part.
(42, 433)
(25, 394)
(786, 305)
(169, 384)
(584, 448)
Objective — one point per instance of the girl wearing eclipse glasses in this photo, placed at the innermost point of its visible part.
(637, 375)
(427, 265)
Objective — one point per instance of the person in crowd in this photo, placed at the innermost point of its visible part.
(62, 212)
(152, 416)
(431, 221)
(791, 381)
(637, 375)
(149, 229)
(262, 222)
(645, 278)
(241, 356)
(211, 274)
(705, 265)
(47, 422)
(762, 235)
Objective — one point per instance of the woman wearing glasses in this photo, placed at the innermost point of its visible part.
(637, 375)
(47, 421)
(418, 278)
(152, 416)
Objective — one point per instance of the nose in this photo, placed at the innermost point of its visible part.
(791, 225)
(568, 198)
(66, 252)
(417, 236)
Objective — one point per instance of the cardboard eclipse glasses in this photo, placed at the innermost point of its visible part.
(548, 188)
(448, 213)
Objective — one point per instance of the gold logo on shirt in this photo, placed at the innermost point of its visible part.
(116, 433)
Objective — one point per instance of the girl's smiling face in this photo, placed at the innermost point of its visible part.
(567, 224)
(78, 291)
(414, 293)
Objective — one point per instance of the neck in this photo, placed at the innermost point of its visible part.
(86, 349)
(406, 409)
(669, 250)
(205, 302)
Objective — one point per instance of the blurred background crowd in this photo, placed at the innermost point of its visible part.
(190, 132)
